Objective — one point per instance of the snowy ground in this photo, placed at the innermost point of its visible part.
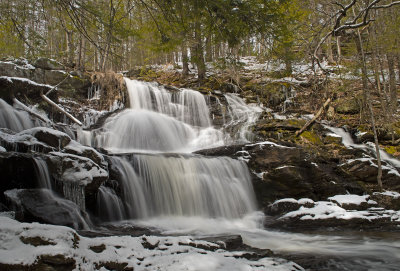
(336, 208)
(140, 253)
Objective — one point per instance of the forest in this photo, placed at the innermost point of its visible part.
(199, 135)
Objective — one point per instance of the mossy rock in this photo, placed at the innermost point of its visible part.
(311, 137)
(332, 139)
(349, 106)
(391, 149)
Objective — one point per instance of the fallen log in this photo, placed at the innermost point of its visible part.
(30, 111)
(59, 108)
(327, 102)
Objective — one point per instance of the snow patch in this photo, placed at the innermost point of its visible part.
(349, 199)
(392, 194)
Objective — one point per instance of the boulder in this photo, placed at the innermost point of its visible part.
(22, 142)
(348, 106)
(51, 137)
(42, 205)
(76, 148)
(48, 64)
(284, 206)
(22, 89)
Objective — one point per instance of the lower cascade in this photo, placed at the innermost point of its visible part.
(180, 185)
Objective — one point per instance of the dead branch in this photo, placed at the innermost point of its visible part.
(339, 27)
(327, 102)
(30, 111)
(55, 87)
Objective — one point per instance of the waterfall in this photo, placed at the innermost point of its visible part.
(243, 115)
(154, 184)
(13, 119)
(185, 185)
(42, 173)
(109, 205)
(186, 105)
(158, 121)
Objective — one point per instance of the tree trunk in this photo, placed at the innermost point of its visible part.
(329, 49)
(288, 62)
(209, 54)
(339, 49)
(361, 56)
(185, 62)
(392, 83)
(398, 65)
(70, 48)
(199, 55)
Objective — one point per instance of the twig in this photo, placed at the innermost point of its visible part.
(55, 87)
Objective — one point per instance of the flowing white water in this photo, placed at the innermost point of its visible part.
(42, 173)
(342, 251)
(158, 121)
(109, 205)
(156, 185)
(14, 119)
(347, 140)
(242, 114)
(189, 194)
(185, 105)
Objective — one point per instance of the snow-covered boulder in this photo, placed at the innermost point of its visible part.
(48, 64)
(51, 137)
(284, 206)
(21, 142)
(76, 148)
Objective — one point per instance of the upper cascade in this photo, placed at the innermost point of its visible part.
(158, 121)
(187, 105)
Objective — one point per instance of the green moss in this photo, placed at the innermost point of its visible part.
(296, 122)
(311, 137)
(333, 140)
(390, 149)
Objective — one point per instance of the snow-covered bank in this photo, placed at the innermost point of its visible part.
(27, 244)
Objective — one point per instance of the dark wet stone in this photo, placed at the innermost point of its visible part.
(40, 205)
(36, 241)
(98, 249)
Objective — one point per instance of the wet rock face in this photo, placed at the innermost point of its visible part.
(22, 89)
(41, 205)
(294, 173)
(17, 171)
(76, 169)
